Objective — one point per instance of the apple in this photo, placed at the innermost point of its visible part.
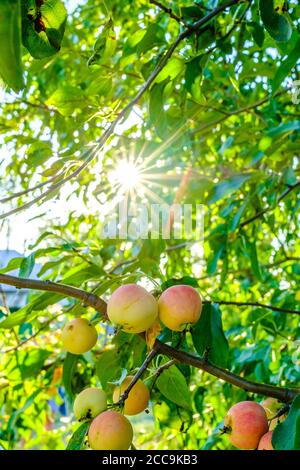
(179, 306)
(265, 442)
(132, 308)
(79, 336)
(110, 431)
(245, 423)
(138, 397)
(89, 403)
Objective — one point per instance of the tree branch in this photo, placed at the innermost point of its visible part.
(167, 10)
(284, 394)
(87, 298)
(242, 110)
(29, 190)
(269, 209)
(139, 373)
(253, 304)
(89, 155)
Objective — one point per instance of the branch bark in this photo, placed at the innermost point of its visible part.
(286, 395)
(68, 291)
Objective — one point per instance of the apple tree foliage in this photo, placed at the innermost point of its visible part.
(223, 107)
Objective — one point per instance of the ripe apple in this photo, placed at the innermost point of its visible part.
(246, 422)
(138, 397)
(179, 306)
(79, 336)
(110, 431)
(265, 442)
(132, 308)
(89, 403)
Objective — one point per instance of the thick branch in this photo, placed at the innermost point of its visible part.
(87, 298)
(283, 394)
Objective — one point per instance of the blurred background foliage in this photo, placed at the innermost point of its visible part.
(222, 110)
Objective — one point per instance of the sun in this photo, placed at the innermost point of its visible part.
(126, 175)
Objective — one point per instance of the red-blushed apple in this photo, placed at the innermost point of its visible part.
(132, 308)
(79, 336)
(138, 397)
(265, 442)
(89, 403)
(110, 431)
(179, 306)
(245, 423)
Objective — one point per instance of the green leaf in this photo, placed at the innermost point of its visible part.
(193, 75)
(27, 266)
(285, 128)
(38, 153)
(237, 216)
(33, 362)
(30, 311)
(69, 368)
(277, 24)
(208, 335)
(15, 415)
(186, 280)
(286, 436)
(227, 187)
(108, 367)
(43, 26)
(12, 265)
(257, 32)
(171, 70)
(171, 383)
(76, 442)
(254, 260)
(67, 100)
(286, 66)
(11, 68)
(105, 45)
(154, 37)
(156, 109)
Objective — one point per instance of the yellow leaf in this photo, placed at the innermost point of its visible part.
(152, 334)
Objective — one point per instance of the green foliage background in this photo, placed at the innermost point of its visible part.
(220, 106)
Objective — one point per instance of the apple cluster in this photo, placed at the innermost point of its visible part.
(249, 425)
(110, 429)
(134, 310)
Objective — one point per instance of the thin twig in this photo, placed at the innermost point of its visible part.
(253, 304)
(167, 10)
(90, 155)
(269, 209)
(138, 375)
